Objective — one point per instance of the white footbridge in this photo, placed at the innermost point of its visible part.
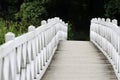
(44, 53)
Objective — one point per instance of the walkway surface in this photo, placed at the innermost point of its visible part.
(79, 60)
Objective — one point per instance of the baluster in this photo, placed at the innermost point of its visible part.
(33, 55)
(50, 41)
(47, 45)
(13, 65)
(55, 35)
(29, 52)
(1, 69)
(6, 68)
(44, 53)
(40, 60)
(10, 60)
(28, 72)
(40, 51)
(23, 74)
(19, 52)
(38, 55)
(28, 61)
(118, 54)
(23, 71)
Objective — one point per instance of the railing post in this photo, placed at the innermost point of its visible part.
(103, 19)
(49, 20)
(115, 21)
(31, 28)
(108, 20)
(33, 53)
(10, 61)
(9, 36)
(43, 22)
(99, 19)
(45, 42)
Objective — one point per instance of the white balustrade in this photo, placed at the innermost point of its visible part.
(27, 57)
(105, 34)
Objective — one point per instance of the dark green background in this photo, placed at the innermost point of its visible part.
(77, 13)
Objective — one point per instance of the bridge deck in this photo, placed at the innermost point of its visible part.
(79, 60)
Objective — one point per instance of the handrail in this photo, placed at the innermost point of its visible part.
(27, 57)
(105, 34)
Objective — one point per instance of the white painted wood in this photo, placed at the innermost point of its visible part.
(106, 35)
(27, 57)
(10, 61)
(1, 69)
(13, 65)
(35, 67)
(37, 46)
(19, 52)
(24, 52)
(42, 59)
(9, 36)
(18, 77)
(23, 74)
(29, 52)
(31, 28)
(38, 64)
(32, 70)
(43, 22)
(6, 68)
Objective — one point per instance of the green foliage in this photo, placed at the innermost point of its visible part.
(17, 28)
(70, 31)
(8, 8)
(3, 31)
(16, 16)
(10, 26)
(31, 13)
(112, 8)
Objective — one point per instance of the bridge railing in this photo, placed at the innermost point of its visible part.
(27, 57)
(105, 34)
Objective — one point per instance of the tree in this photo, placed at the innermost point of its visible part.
(31, 13)
(8, 8)
(112, 9)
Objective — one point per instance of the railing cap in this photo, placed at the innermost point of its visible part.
(108, 20)
(103, 19)
(31, 28)
(115, 21)
(66, 24)
(99, 19)
(9, 36)
(43, 22)
(49, 20)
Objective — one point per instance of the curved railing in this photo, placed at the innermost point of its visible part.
(27, 57)
(105, 34)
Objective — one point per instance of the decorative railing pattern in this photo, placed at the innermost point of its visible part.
(105, 34)
(27, 57)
